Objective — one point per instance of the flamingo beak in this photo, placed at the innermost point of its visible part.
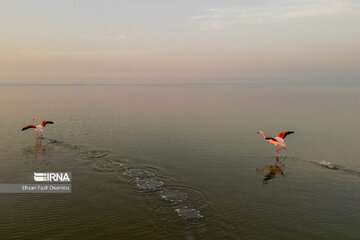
(258, 132)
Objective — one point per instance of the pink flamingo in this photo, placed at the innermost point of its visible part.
(38, 128)
(277, 141)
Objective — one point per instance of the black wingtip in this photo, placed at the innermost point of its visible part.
(287, 133)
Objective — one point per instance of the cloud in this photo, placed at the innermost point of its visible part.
(223, 18)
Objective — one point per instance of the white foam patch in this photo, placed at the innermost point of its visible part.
(188, 213)
(138, 172)
(328, 165)
(173, 196)
(149, 184)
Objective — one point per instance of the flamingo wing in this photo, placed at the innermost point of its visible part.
(27, 127)
(270, 138)
(284, 134)
(43, 124)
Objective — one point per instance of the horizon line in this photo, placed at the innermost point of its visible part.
(297, 84)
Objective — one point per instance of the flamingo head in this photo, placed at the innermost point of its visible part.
(261, 133)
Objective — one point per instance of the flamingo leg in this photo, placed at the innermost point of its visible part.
(37, 133)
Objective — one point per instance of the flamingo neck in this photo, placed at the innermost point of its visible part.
(262, 134)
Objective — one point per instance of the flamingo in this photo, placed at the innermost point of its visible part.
(277, 141)
(38, 128)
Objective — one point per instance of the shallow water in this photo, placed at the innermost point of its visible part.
(180, 162)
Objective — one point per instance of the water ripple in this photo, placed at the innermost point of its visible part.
(94, 154)
(138, 172)
(181, 207)
(329, 165)
(109, 165)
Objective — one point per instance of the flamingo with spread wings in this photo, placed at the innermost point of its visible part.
(277, 141)
(38, 128)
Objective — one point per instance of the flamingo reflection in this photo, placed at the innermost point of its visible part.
(38, 148)
(273, 170)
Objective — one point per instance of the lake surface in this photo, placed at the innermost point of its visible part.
(180, 162)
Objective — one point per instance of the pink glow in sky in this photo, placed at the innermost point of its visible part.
(179, 41)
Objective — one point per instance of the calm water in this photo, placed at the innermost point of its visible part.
(179, 162)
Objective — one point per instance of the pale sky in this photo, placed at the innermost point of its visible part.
(179, 41)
